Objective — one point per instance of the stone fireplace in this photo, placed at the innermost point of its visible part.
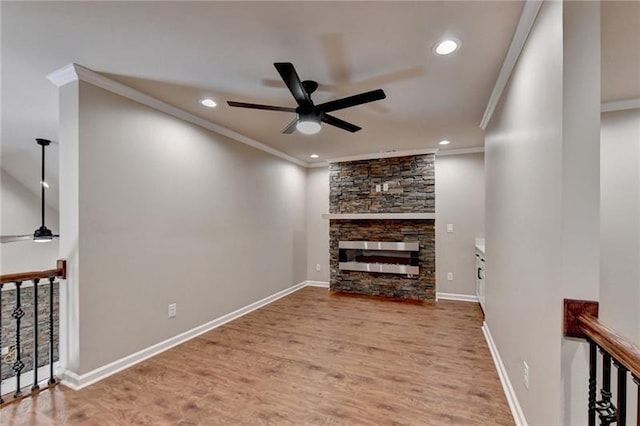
(382, 235)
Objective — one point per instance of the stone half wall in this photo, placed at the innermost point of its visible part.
(410, 181)
(8, 330)
(418, 287)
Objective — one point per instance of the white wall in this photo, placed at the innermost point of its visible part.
(620, 222)
(317, 228)
(542, 220)
(580, 187)
(460, 202)
(171, 213)
(20, 214)
(523, 200)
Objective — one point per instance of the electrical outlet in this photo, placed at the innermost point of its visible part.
(317, 267)
(173, 310)
(449, 227)
(525, 374)
(449, 276)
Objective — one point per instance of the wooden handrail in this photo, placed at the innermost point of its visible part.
(621, 350)
(60, 271)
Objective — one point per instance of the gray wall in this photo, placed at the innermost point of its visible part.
(620, 222)
(460, 202)
(171, 213)
(542, 204)
(20, 214)
(317, 228)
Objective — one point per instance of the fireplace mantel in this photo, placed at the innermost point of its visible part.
(379, 216)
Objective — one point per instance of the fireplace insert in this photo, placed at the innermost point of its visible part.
(380, 256)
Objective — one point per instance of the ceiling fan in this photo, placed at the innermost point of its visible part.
(308, 115)
(42, 234)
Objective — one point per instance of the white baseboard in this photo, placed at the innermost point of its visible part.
(323, 284)
(512, 399)
(76, 382)
(456, 296)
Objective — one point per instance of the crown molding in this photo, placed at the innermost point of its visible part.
(377, 155)
(74, 72)
(527, 19)
(620, 105)
(318, 165)
(64, 75)
(460, 151)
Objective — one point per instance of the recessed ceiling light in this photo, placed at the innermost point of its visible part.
(208, 102)
(446, 47)
(444, 142)
(314, 156)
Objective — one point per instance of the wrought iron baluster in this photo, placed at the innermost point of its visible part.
(606, 410)
(636, 380)
(17, 314)
(52, 380)
(35, 335)
(622, 394)
(593, 370)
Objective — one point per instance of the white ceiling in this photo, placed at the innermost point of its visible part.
(180, 52)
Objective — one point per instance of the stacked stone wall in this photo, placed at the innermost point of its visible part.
(8, 329)
(410, 188)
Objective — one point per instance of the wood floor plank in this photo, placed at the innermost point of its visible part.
(311, 358)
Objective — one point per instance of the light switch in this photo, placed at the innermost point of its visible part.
(377, 188)
(449, 227)
(385, 187)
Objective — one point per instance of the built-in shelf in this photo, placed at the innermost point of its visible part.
(378, 216)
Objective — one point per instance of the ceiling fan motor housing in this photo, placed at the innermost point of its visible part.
(42, 234)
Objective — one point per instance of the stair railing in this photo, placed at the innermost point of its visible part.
(28, 313)
(581, 320)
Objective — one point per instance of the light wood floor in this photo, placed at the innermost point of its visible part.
(311, 358)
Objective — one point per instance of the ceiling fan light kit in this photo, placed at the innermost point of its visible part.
(308, 124)
(42, 234)
(309, 116)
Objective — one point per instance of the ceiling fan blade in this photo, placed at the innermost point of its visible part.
(349, 101)
(291, 79)
(334, 121)
(258, 106)
(14, 238)
(291, 127)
